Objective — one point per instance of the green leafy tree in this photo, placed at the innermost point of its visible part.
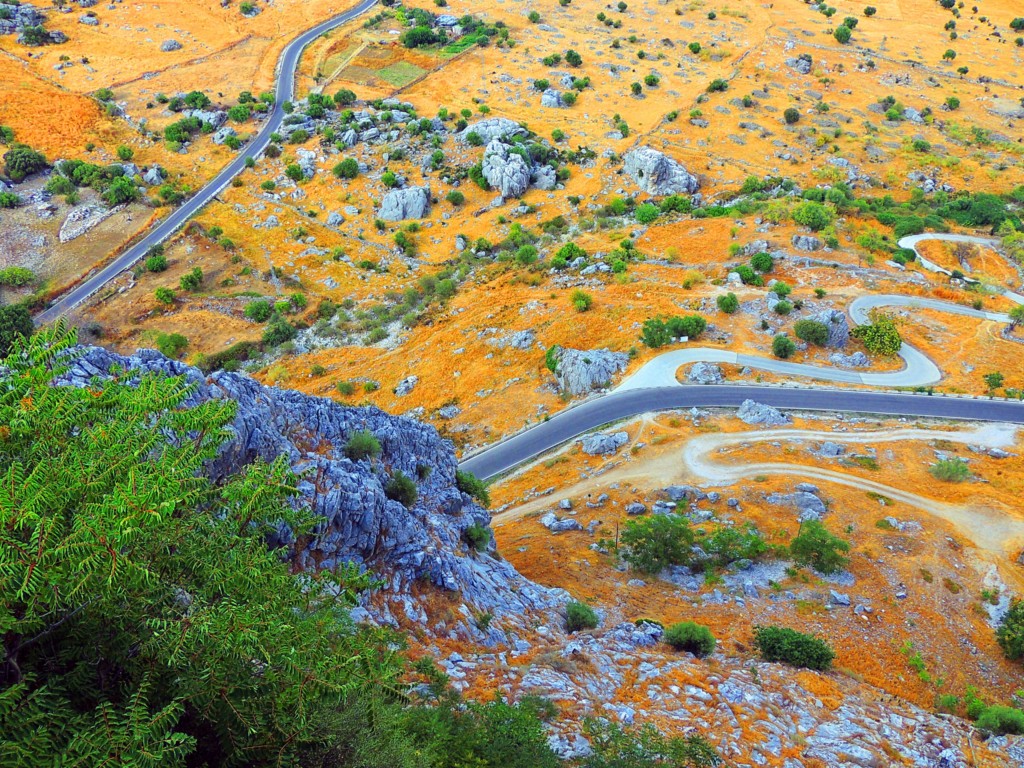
(120, 649)
(814, 546)
(164, 295)
(1010, 634)
(655, 543)
(15, 323)
(121, 190)
(191, 281)
(21, 161)
(813, 215)
(880, 336)
(842, 34)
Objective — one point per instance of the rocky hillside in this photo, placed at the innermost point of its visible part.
(413, 549)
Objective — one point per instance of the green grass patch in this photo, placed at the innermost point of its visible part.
(400, 74)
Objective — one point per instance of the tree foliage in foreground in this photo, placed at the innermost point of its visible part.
(144, 618)
(880, 336)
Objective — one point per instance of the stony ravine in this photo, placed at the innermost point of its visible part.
(757, 714)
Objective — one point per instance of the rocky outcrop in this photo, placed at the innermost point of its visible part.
(306, 160)
(154, 175)
(224, 133)
(604, 443)
(838, 327)
(579, 372)
(494, 128)
(424, 543)
(806, 243)
(705, 373)
(758, 413)
(505, 170)
(168, 46)
(410, 203)
(552, 97)
(658, 174)
(856, 360)
(83, 219)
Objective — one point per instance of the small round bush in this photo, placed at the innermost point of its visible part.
(792, 647)
(579, 616)
(728, 303)
(783, 346)
(842, 34)
(762, 262)
(647, 213)
(999, 720)
(791, 116)
(401, 488)
(691, 637)
(362, 445)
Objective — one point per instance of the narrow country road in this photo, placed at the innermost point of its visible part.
(285, 91)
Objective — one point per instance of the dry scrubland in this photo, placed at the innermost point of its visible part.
(482, 348)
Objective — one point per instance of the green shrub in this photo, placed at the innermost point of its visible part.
(401, 488)
(362, 445)
(811, 331)
(812, 215)
(880, 336)
(478, 537)
(950, 470)
(646, 213)
(579, 616)
(814, 546)
(999, 720)
(345, 388)
(171, 344)
(728, 303)
(191, 281)
(762, 262)
(783, 346)
(16, 276)
(455, 197)
(691, 637)
(783, 308)
(347, 168)
(842, 34)
(259, 311)
(15, 323)
(581, 300)
(21, 161)
(473, 486)
(278, 332)
(781, 644)
(164, 295)
(791, 116)
(1010, 634)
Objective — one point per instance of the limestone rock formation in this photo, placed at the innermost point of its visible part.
(579, 372)
(505, 170)
(705, 373)
(838, 327)
(410, 203)
(494, 128)
(604, 443)
(658, 174)
(806, 243)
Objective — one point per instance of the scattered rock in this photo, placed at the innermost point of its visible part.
(604, 443)
(856, 360)
(705, 373)
(406, 385)
(807, 243)
(170, 45)
(751, 412)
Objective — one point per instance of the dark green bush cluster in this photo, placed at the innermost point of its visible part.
(691, 637)
(579, 616)
(473, 486)
(401, 488)
(797, 649)
(657, 542)
(657, 332)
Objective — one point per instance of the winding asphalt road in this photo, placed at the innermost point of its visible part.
(285, 91)
(655, 388)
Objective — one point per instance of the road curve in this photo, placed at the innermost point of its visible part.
(570, 423)
(918, 370)
(285, 91)
(911, 241)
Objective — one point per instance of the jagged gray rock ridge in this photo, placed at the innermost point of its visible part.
(658, 174)
(401, 204)
(360, 524)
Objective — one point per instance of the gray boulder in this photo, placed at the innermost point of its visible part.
(410, 203)
(88, 20)
(807, 243)
(406, 385)
(808, 504)
(223, 134)
(838, 327)
(604, 443)
(758, 413)
(506, 171)
(658, 174)
(215, 118)
(306, 159)
(494, 128)
(705, 373)
(335, 219)
(579, 372)
(552, 98)
(170, 45)
(154, 175)
(801, 64)
(856, 360)
(544, 178)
